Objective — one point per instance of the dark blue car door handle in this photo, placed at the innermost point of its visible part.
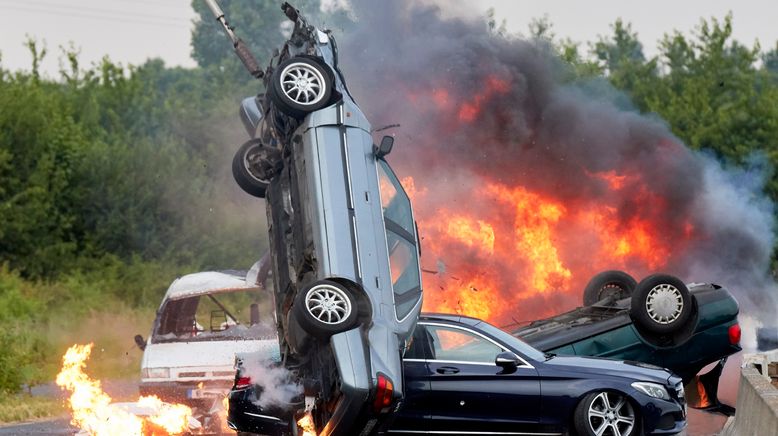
(447, 370)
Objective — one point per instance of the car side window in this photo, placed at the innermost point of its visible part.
(449, 343)
(394, 201)
(400, 240)
(419, 345)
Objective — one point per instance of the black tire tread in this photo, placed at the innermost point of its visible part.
(243, 178)
(638, 305)
(581, 419)
(313, 326)
(287, 107)
(592, 293)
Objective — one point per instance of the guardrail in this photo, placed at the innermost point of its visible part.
(757, 398)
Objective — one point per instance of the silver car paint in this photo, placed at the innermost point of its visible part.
(346, 220)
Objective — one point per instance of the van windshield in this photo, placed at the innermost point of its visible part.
(400, 240)
(217, 316)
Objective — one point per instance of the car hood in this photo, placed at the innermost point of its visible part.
(202, 354)
(616, 368)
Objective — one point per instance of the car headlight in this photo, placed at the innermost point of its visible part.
(156, 372)
(652, 390)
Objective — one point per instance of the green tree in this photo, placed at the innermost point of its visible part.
(622, 60)
(260, 23)
(709, 90)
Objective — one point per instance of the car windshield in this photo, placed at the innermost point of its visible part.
(511, 341)
(217, 316)
(400, 240)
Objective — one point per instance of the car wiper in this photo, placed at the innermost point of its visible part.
(549, 356)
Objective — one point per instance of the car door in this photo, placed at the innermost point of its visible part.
(413, 416)
(469, 392)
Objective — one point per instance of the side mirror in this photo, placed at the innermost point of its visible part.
(507, 360)
(385, 147)
(250, 115)
(140, 342)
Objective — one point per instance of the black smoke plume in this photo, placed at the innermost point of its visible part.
(475, 106)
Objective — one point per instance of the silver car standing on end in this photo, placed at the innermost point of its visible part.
(344, 244)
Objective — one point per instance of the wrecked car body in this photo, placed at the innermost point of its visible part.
(645, 322)
(204, 320)
(343, 240)
(465, 376)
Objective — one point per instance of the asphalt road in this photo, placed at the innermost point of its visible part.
(700, 424)
(49, 427)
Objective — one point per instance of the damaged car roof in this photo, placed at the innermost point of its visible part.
(208, 282)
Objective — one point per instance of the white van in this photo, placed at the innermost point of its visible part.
(205, 319)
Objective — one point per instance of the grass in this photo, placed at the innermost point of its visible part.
(115, 355)
(24, 407)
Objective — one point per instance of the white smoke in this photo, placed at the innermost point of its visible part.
(278, 388)
(734, 201)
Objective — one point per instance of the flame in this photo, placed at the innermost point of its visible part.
(92, 410)
(470, 110)
(531, 251)
(472, 233)
(305, 423)
(704, 401)
(173, 418)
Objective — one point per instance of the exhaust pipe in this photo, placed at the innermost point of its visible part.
(241, 49)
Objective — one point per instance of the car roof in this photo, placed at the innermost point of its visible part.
(208, 282)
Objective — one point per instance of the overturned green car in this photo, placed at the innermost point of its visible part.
(660, 321)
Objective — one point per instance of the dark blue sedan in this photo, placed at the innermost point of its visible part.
(465, 376)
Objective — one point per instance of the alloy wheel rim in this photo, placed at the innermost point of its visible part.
(328, 304)
(610, 414)
(251, 161)
(664, 303)
(303, 84)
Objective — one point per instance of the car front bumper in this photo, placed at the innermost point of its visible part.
(661, 417)
(178, 391)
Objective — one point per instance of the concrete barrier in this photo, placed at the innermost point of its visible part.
(757, 400)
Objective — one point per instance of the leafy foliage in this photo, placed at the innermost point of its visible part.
(113, 181)
(713, 92)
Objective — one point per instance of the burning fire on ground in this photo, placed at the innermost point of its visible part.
(94, 413)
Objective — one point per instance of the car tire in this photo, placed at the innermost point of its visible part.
(661, 304)
(608, 284)
(301, 85)
(325, 308)
(251, 176)
(608, 409)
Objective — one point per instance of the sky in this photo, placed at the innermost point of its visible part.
(131, 31)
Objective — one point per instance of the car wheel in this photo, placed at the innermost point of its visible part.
(606, 284)
(605, 413)
(253, 165)
(301, 85)
(325, 308)
(661, 304)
